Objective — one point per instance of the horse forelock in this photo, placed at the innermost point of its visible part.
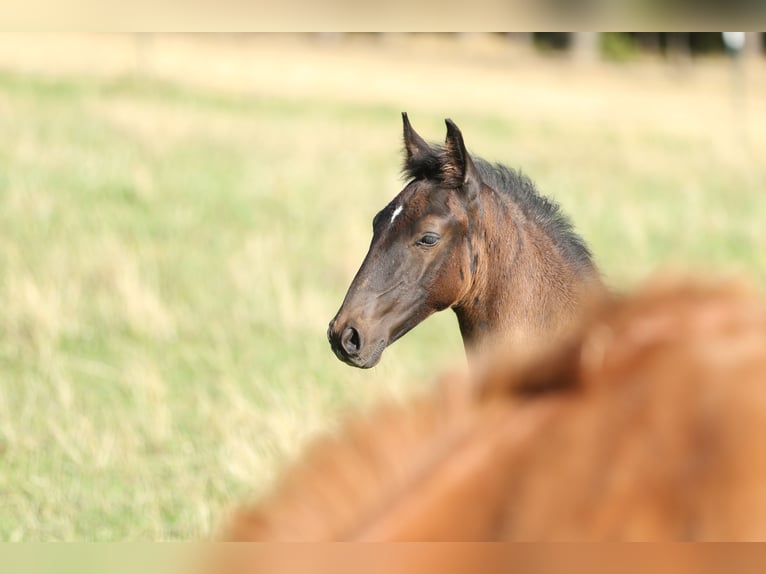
(435, 165)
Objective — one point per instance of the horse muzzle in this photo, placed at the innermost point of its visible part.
(349, 345)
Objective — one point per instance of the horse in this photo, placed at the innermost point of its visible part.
(471, 236)
(644, 425)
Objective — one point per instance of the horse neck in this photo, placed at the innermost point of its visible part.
(523, 287)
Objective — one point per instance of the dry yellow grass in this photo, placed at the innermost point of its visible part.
(475, 73)
(180, 217)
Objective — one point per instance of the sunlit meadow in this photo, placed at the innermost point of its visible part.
(180, 218)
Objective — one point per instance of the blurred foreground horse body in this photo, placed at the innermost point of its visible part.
(471, 236)
(647, 425)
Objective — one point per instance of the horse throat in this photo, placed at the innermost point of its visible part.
(523, 291)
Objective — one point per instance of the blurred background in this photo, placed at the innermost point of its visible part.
(180, 217)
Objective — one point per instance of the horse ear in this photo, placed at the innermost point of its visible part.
(458, 168)
(415, 145)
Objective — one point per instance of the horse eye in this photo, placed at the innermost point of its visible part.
(429, 240)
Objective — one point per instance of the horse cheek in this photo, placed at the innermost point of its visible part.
(448, 284)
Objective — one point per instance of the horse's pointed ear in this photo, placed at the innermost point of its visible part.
(458, 168)
(416, 146)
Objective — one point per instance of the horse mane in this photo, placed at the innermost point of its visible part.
(344, 476)
(546, 213)
(644, 425)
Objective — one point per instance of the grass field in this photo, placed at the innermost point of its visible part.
(180, 220)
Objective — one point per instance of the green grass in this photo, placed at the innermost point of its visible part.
(170, 257)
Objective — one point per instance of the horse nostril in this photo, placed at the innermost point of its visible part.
(351, 341)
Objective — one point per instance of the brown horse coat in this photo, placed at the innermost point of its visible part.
(471, 236)
(647, 425)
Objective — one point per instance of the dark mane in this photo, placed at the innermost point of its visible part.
(543, 211)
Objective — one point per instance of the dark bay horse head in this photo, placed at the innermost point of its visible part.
(473, 236)
(419, 260)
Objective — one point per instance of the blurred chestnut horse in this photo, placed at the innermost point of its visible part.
(647, 425)
(468, 235)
